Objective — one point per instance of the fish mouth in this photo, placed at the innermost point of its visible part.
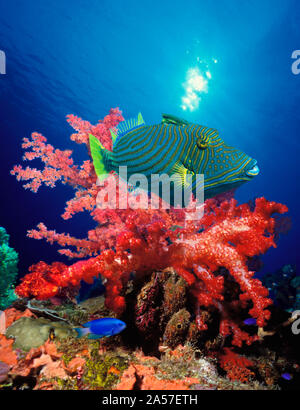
(253, 170)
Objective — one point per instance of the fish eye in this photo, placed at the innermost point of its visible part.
(179, 326)
(51, 333)
(202, 144)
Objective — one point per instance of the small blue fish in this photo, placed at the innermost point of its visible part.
(250, 321)
(98, 328)
(286, 376)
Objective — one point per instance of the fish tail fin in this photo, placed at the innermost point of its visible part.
(102, 158)
(82, 331)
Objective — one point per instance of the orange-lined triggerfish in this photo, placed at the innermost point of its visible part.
(177, 148)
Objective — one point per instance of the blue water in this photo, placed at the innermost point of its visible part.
(84, 57)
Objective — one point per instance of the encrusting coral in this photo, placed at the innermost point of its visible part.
(144, 241)
(236, 366)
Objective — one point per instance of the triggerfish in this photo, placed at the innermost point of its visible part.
(177, 148)
(98, 328)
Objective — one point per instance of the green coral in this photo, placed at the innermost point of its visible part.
(8, 271)
(66, 384)
(72, 346)
(102, 372)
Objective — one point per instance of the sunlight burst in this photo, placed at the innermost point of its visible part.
(196, 83)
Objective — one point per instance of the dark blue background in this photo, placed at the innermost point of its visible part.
(84, 57)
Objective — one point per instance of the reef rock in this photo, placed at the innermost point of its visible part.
(31, 333)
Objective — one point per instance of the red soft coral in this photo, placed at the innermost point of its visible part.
(130, 240)
(236, 366)
(145, 246)
(44, 281)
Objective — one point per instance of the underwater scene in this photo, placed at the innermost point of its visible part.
(149, 210)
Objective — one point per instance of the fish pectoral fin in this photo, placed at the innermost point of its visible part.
(179, 175)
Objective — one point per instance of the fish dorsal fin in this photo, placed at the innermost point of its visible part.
(205, 135)
(171, 119)
(126, 126)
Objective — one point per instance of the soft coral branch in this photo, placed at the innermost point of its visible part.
(59, 166)
(145, 246)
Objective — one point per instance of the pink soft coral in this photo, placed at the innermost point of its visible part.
(59, 166)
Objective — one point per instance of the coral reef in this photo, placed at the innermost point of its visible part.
(232, 233)
(236, 366)
(7, 355)
(177, 328)
(183, 285)
(4, 369)
(146, 378)
(8, 270)
(81, 364)
(43, 281)
(102, 371)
